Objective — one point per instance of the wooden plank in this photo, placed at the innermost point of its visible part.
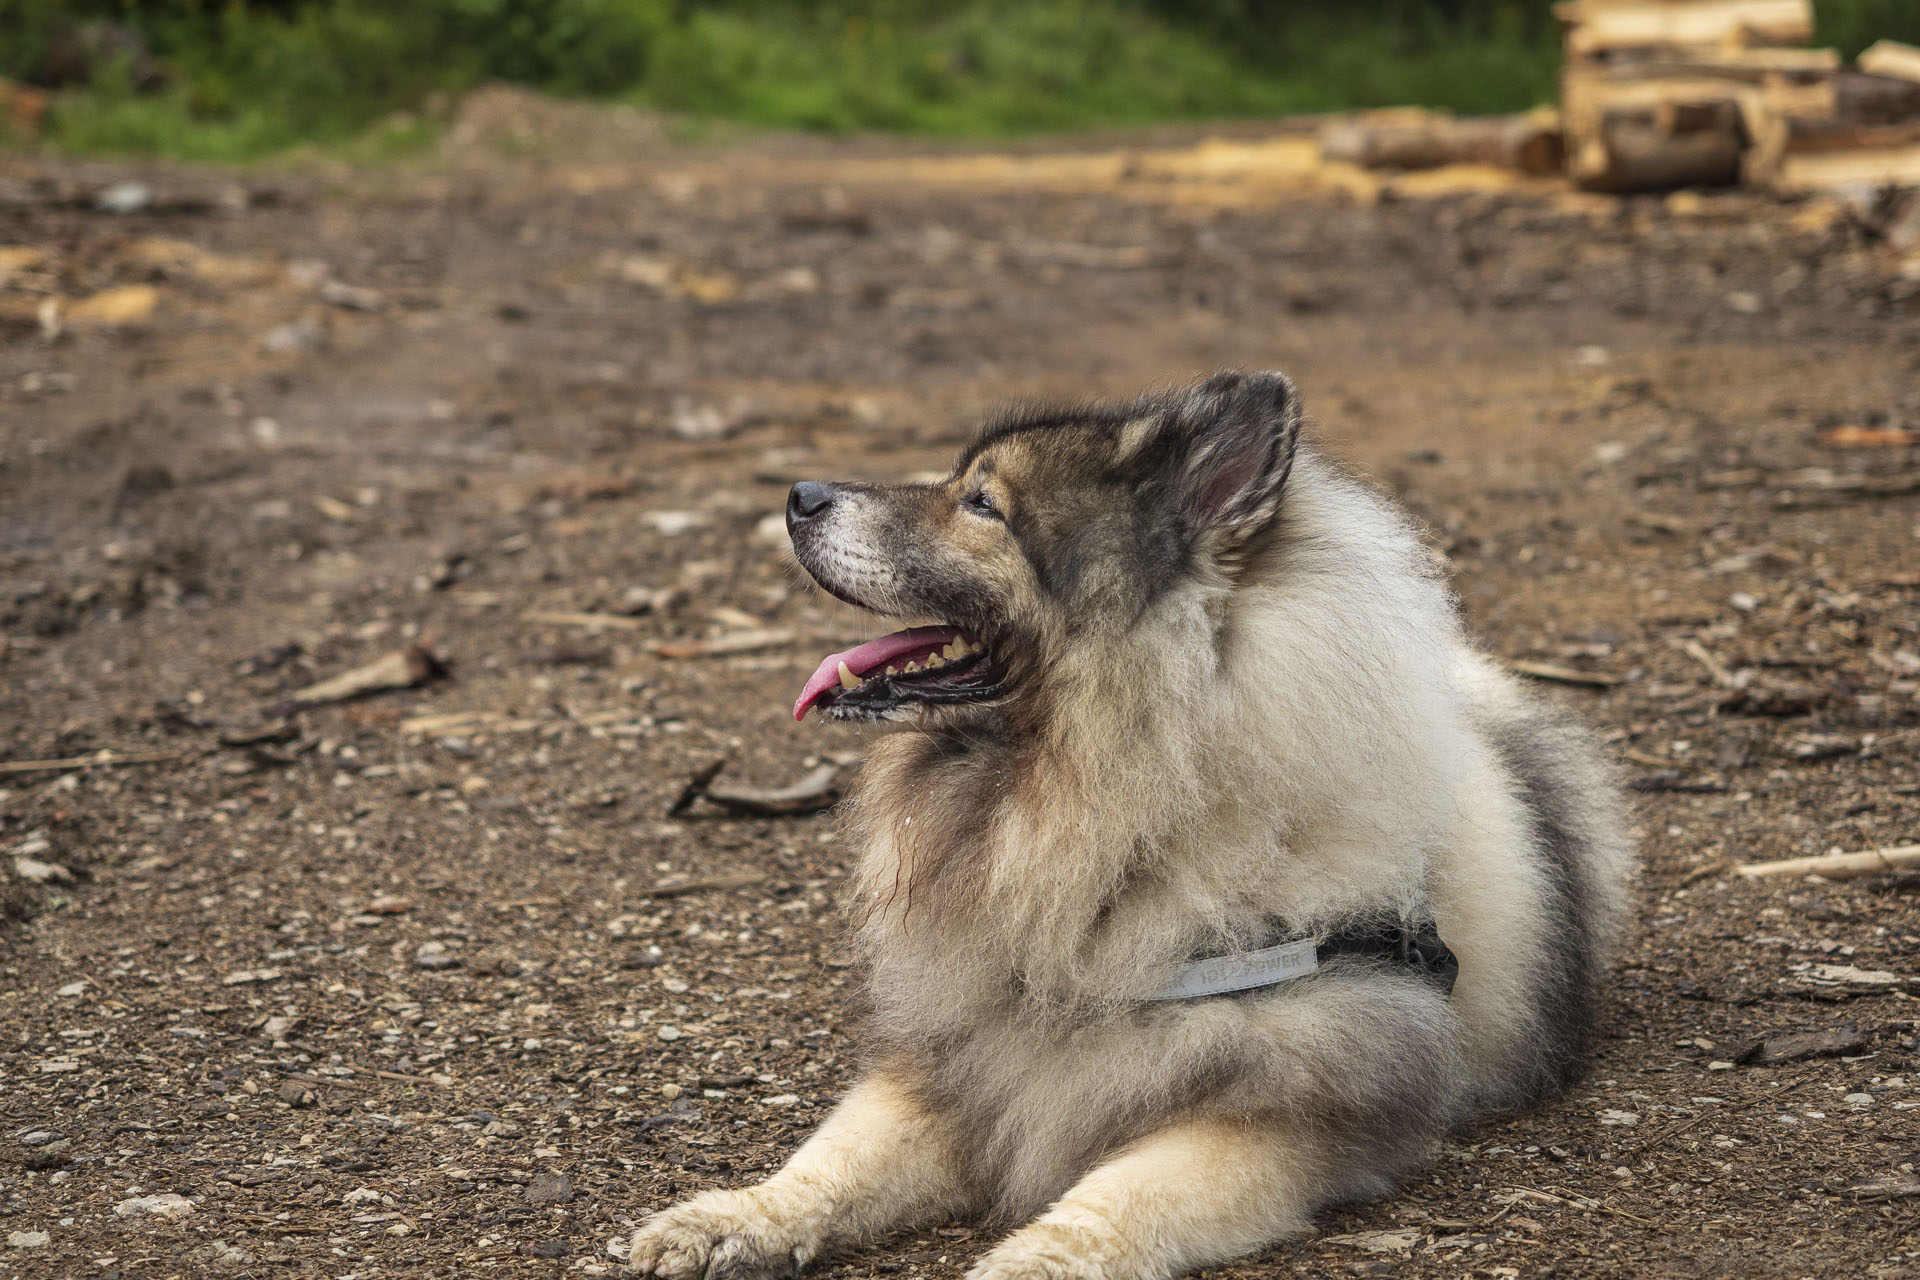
(1836, 134)
(1711, 22)
(1891, 58)
(1750, 66)
(1874, 167)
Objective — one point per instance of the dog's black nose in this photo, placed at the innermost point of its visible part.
(806, 500)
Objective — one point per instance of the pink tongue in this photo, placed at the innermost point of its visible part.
(864, 658)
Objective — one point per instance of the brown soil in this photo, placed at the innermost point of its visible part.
(218, 492)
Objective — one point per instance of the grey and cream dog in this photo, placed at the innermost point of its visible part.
(1218, 876)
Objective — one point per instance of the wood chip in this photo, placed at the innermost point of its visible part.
(402, 669)
(1868, 437)
(1565, 675)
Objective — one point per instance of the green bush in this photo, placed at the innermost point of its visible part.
(247, 77)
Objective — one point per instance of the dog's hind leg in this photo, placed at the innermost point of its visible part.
(1193, 1194)
(879, 1163)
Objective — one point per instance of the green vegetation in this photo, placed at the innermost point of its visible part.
(231, 80)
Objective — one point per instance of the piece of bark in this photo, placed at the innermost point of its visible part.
(1839, 1042)
(819, 790)
(1875, 99)
(1890, 58)
(1839, 866)
(402, 669)
(1895, 1186)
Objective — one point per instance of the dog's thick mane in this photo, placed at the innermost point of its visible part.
(1221, 697)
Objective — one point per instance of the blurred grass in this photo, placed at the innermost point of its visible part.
(243, 79)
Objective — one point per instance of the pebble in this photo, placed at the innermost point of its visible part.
(123, 197)
(433, 955)
(362, 1195)
(1859, 1100)
(27, 1239)
(164, 1205)
(780, 1100)
(40, 872)
(671, 1091)
(1619, 1117)
(38, 1138)
(668, 1033)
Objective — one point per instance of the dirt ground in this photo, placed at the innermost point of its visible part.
(430, 983)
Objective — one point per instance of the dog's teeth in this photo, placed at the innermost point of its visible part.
(894, 671)
(935, 660)
(957, 649)
(848, 680)
(913, 668)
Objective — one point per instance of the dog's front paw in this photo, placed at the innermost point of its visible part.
(721, 1235)
(1044, 1251)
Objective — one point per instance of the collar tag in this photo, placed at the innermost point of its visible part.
(1242, 971)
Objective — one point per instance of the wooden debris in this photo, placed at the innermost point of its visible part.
(1839, 866)
(1839, 1042)
(402, 669)
(103, 758)
(681, 888)
(819, 790)
(726, 644)
(1659, 94)
(458, 722)
(592, 621)
(1855, 437)
(1529, 143)
(1565, 675)
(1892, 59)
(1598, 28)
(696, 786)
(1895, 1186)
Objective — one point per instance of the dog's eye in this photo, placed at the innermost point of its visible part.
(981, 504)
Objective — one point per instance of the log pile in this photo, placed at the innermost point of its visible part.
(1658, 94)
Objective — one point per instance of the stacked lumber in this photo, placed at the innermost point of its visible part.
(1658, 94)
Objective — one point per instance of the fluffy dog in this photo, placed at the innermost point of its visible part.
(1218, 876)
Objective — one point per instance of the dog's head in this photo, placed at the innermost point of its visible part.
(1053, 525)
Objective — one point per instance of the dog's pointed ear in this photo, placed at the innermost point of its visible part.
(1239, 433)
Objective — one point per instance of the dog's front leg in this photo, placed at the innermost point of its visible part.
(880, 1162)
(1191, 1195)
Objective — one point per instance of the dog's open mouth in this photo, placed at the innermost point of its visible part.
(881, 677)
